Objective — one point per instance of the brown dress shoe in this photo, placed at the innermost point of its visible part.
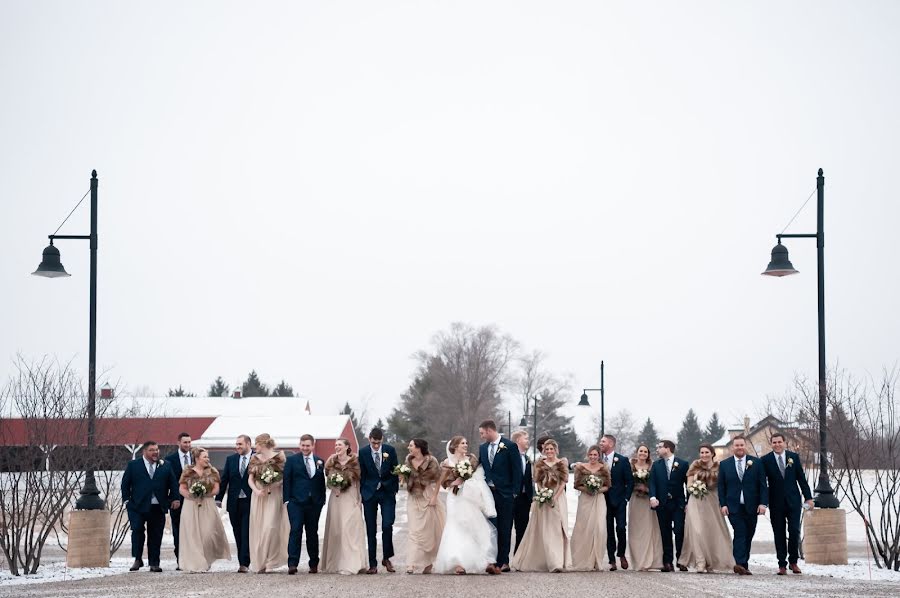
(782, 571)
(371, 570)
(741, 570)
(242, 569)
(138, 563)
(156, 568)
(612, 567)
(667, 568)
(493, 570)
(624, 562)
(795, 569)
(387, 565)
(313, 568)
(292, 570)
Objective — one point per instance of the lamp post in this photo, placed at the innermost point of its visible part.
(51, 267)
(584, 401)
(781, 266)
(524, 422)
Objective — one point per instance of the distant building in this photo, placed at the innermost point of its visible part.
(759, 437)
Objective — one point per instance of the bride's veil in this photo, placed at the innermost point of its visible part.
(451, 459)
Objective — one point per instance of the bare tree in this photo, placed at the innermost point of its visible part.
(623, 426)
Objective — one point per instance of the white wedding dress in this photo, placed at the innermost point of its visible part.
(469, 540)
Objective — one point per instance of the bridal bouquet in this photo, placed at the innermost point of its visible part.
(593, 484)
(464, 470)
(544, 496)
(198, 490)
(641, 477)
(269, 476)
(402, 471)
(337, 480)
(698, 489)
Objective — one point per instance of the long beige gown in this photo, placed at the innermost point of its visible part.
(202, 535)
(426, 523)
(644, 538)
(589, 533)
(545, 545)
(269, 525)
(707, 541)
(344, 549)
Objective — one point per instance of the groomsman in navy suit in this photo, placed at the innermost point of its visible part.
(304, 495)
(502, 464)
(668, 479)
(523, 500)
(743, 497)
(786, 482)
(179, 461)
(149, 489)
(236, 483)
(617, 497)
(378, 487)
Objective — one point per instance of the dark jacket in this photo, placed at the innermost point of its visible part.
(371, 476)
(756, 492)
(233, 482)
(669, 488)
(138, 489)
(622, 482)
(174, 460)
(527, 491)
(506, 472)
(298, 487)
(785, 492)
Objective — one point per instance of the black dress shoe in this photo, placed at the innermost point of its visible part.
(681, 567)
(505, 569)
(292, 570)
(612, 567)
(371, 570)
(138, 563)
(667, 568)
(156, 568)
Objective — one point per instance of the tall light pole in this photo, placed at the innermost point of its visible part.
(781, 266)
(51, 267)
(584, 401)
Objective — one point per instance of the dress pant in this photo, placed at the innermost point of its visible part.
(504, 524)
(387, 502)
(616, 530)
(744, 525)
(786, 529)
(175, 516)
(671, 520)
(155, 522)
(239, 514)
(303, 518)
(521, 509)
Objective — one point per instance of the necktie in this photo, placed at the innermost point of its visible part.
(309, 467)
(740, 468)
(491, 453)
(151, 469)
(377, 455)
(668, 468)
(186, 461)
(781, 464)
(243, 465)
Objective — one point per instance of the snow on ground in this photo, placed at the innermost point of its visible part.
(57, 571)
(854, 569)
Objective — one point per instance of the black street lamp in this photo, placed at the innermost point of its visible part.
(781, 266)
(584, 401)
(51, 267)
(524, 422)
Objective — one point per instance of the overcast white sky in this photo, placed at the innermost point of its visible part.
(314, 189)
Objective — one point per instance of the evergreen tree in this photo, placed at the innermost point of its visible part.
(648, 436)
(690, 437)
(361, 435)
(218, 388)
(253, 387)
(714, 429)
(283, 390)
(553, 423)
(179, 392)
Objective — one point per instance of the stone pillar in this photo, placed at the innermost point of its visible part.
(825, 537)
(88, 539)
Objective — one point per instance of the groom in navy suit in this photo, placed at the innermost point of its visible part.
(304, 495)
(617, 497)
(502, 464)
(784, 472)
(236, 485)
(668, 478)
(378, 487)
(743, 497)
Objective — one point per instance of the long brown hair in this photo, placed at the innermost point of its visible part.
(454, 443)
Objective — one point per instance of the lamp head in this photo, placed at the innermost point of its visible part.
(50, 266)
(523, 422)
(780, 264)
(584, 400)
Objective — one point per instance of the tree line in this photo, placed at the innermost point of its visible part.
(251, 387)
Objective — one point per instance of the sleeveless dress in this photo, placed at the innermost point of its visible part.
(589, 534)
(707, 541)
(344, 548)
(202, 535)
(644, 538)
(545, 546)
(425, 523)
(269, 525)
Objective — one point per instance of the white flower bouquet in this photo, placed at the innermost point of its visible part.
(593, 483)
(337, 480)
(544, 496)
(402, 471)
(198, 490)
(269, 476)
(641, 475)
(698, 490)
(464, 470)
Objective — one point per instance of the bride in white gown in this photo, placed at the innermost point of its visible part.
(469, 542)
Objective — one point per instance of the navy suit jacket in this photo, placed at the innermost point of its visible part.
(527, 479)
(371, 476)
(756, 492)
(785, 492)
(174, 460)
(506, 472)
(622, 483)
(233, 482)
(138, 489)
(668, 488)
(298, 487)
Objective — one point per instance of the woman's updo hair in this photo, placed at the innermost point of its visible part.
(265, 440)
(707, 446)
(550, 442)
(591, 450)
(540, 443)
(455, 442)
(421, 444)
(346, 442)
(196, 452)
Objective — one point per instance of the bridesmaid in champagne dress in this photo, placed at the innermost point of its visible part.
(425, 514)
(202, 535)
(269, 525)
(644, 539)
(344, 549)
(707, 541)
(545, 546)
(589, 533)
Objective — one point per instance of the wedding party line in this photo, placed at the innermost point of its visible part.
(503, 512)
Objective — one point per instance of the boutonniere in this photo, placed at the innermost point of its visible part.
(749, 463)
(615, 459)
(502, 446)
(675, 465)
(384, 455)
(790, 462)
(318, 463)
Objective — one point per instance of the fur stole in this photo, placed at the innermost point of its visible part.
(708, 474)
